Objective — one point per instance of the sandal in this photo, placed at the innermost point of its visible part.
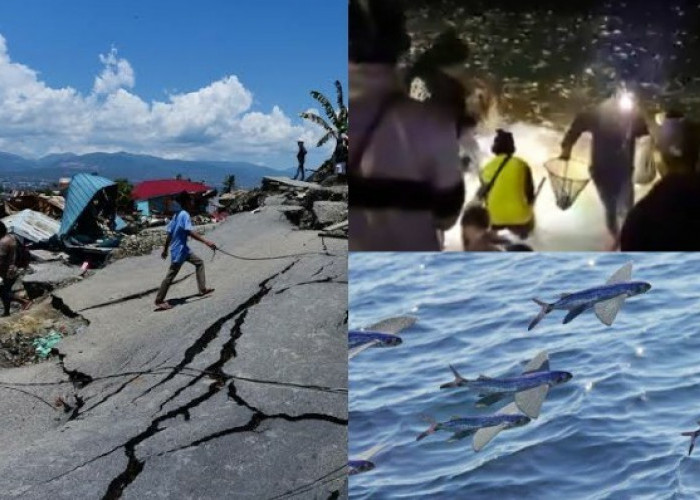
(163, 306)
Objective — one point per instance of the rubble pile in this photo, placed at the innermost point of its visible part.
(144, 242)
(60, 258)
(308, 205)
(19, 332)
(42, 278)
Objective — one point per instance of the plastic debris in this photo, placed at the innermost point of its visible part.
(44, 345)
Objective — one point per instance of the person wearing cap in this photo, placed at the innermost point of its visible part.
(678, 142)
(510, 201)
(615, 124)
(301, 157)
(403, 170)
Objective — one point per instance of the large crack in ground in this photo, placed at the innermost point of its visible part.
(328, 279)
(211, 333)
(214, 371)
(134, 296)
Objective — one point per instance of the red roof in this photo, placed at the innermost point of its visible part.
(147, 190)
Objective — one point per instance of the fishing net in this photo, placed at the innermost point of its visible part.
(568, 179)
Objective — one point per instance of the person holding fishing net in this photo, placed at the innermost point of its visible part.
(615, 124)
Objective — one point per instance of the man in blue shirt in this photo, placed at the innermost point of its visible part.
(179, 229)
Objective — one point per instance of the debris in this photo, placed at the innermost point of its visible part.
(330, 212)
(45, 277)
(339, 230)
(44, 345)
(47, 256)
(32, 226)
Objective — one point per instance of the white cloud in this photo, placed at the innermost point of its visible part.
(116, 74)
(216, 121)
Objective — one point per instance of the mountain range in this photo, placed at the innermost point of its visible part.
(134, 167)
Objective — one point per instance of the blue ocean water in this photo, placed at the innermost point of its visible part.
(613, 431)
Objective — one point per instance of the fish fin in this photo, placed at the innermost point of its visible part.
(367, 455)
(509, 409)
(606, 311)
(545, 308)
(489, 399)
(483, 377)
(621, 275)
(693, 436)
(357, 350)
(461, 435)
(564, 295)
(538, 363)
(483, 436)
(457, 382)
(393, 325)
(573, 313)
(530, 401)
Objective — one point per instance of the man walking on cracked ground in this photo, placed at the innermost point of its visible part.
(179, 229)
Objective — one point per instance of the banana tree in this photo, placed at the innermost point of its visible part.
(337, 124)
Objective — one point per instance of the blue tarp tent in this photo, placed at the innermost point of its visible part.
(83, 188)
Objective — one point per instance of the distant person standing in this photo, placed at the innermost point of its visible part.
(340, 156)
(301, 157)
(179, 229)
(9, 270)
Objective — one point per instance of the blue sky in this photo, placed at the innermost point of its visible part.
(255, 60)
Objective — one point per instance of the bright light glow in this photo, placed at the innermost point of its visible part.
(626, 101)
(581, 227)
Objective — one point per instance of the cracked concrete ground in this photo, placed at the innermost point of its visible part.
(242, 394)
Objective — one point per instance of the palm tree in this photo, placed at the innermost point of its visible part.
(124, 201)
(337, 123)
(229, 183)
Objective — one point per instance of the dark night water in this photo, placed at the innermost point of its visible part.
(611, 432)
(551, 60)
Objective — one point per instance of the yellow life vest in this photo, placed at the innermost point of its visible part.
(507, 203)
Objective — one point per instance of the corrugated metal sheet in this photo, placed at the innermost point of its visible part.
(32, 226)
(81, 190)
(144, 207)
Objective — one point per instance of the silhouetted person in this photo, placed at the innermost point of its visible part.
(301, 157)
(403, 170)
(615, 124)
(678, 141)
(667, 219)
(477, 235)
(340, 155)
